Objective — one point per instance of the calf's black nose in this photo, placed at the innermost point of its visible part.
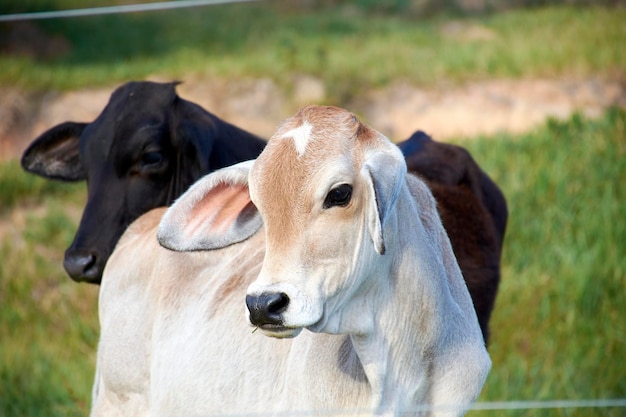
(267, 308)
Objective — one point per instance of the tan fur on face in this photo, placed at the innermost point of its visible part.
(292, 168)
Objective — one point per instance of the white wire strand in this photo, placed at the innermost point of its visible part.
(530, 405)
(479, 406)
(130, 8)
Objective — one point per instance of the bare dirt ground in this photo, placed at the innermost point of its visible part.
(258, 105)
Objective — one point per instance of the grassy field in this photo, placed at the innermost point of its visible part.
(558, 331)
(559, 325)
(349, 48)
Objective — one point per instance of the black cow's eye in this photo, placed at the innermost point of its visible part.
(338, 196)
(151, 158)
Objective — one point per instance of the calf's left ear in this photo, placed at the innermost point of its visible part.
(385, 172)
(214, 213)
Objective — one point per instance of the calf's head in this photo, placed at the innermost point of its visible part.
(325, 189)
(145, 148)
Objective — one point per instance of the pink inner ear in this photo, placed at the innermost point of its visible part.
(220, 207)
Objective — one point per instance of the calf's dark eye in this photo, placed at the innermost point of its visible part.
(338, 196)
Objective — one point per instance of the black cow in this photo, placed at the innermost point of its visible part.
(149, 145)
(144, 150)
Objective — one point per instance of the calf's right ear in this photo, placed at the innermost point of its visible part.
(55, 153)
(214, 213)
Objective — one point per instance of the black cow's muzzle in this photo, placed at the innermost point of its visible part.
(83, 266)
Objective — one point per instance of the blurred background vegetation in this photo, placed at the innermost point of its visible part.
(559, 327)
(352, 46)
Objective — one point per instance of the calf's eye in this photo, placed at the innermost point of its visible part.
(338, 196)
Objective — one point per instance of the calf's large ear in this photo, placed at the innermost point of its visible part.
(55, 153)
(214, 213)
(384, 171)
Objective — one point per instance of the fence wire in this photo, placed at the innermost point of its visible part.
(130, 8)
(479, 406)
(554, 404)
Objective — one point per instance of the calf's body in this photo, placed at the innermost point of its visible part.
(364, 285)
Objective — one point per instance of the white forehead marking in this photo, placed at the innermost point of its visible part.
(300, 136)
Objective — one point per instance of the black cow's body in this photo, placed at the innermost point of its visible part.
(149, 145)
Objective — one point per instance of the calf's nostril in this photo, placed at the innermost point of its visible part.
(277, 303)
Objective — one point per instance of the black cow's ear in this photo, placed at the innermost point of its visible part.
(194, 142)
(208, 143)
(55, 153)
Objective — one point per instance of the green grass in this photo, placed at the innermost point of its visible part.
(18, 188)
(558, 330)
(48, 324)
(351, 49)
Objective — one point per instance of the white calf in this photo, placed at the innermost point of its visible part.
(354, 252)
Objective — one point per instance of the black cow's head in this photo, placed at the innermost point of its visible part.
(144, 150)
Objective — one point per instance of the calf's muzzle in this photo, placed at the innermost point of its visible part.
(267, 308)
